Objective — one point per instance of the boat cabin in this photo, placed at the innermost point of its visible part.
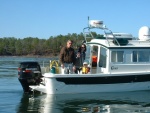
(117, 52)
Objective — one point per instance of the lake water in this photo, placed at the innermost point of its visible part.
(13, 100)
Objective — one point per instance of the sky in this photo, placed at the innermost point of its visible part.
(46, 18)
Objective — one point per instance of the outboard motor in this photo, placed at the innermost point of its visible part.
(29, 73)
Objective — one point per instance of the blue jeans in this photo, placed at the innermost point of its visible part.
(68, 68)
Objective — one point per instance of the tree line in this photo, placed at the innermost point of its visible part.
(35, 46)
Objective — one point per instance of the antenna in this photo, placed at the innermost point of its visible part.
(88, 21)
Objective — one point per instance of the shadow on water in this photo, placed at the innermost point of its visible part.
(137, 102)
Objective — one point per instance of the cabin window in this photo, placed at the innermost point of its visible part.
(102, 61)
(88, 53)
(140, 56)
(117, 56)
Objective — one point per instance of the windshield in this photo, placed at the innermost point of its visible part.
(88, 50)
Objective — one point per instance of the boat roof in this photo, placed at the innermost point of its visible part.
(116, 40)
(111, 44)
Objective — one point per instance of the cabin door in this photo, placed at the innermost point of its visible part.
(98, 59)
(94, 59)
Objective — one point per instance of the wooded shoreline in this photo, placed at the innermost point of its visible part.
(33, 46)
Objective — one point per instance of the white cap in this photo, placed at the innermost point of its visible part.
(85, 63)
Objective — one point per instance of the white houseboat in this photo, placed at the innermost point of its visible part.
(118, 62)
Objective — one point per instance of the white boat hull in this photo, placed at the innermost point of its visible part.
(53, 86)
(69, 89)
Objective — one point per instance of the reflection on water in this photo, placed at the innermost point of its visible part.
(131, 102)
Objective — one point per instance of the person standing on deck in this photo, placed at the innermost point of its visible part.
(67, 58)
(82, 53)
(80, 57)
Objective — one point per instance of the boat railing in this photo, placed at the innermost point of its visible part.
(107, 33)
(47, 67)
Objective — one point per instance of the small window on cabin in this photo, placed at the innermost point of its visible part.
(135, 56)
(140, 56)
(102, 60)
(88, 52)
(117, 56)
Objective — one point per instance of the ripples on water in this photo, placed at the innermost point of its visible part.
(86, 103)
(12, 99)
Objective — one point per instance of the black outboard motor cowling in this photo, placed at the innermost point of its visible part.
(29, 73)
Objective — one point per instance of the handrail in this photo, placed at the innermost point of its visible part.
(104, 30)
(112, 35)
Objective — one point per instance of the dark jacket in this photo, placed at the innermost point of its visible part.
(67, 55)
(79, 62)
(82, 53)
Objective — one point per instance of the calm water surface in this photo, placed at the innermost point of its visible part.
(13, 100)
